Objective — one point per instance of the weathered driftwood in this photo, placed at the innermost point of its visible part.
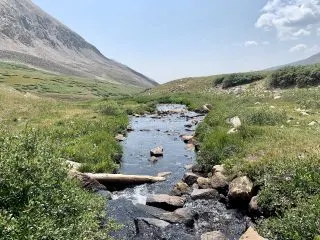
(105, 178)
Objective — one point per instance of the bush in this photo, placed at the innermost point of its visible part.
(236, 79)
(299, 76)
(299, 223)
(37, 200)
(265, 117)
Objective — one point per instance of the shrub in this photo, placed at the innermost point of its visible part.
(236, 79)
(265, 117)
(37, 200)
(299, 76)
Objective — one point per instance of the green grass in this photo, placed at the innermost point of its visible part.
(275, 146)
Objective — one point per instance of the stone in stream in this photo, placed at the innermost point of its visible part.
(153, 159)
(164, 201)
(187, 138)
(120, 137)
(190, 178)
(240, 191)
(215, 235)
(205, 194)
(157, 152)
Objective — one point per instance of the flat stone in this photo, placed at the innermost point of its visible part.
(164, 201)
(215, 235)
(155, 222)
(204, 194)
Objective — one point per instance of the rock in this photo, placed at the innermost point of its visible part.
(164, 174)
(184, 213)
(218, 168)
(240, 191)
(190, 147)
(235, 122)
(277, 97)
(157, 152)
(206, 108)
(197, 168)
(188, 167)
(204, 194)
(73, 165)
(219, 182)
(190, 178)
(130, 129)
(106, 194)
(251, 234)
(215, 235)
(203, 183)
(180, 188)
(312, 123)
(166, 202)
(120, 137)
(232, 131)
(195, 186)
(153, 159)
(155, 222)
(254, 208)
(187, 138)
(86, 182)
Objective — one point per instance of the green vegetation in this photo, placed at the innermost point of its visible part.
(236, 79)
(300, 76)
(37, 200)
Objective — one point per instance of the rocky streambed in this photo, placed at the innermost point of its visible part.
(194, 208)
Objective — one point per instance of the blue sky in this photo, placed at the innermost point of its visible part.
(171, 39)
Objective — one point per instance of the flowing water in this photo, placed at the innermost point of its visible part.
(127, 205)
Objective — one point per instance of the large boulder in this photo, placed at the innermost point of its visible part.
(166, 202)
(251, 234)
(219, 182)
(204, 183)
(240, 191)
(215, 235)
(190, 178)
(157, 152)
(181, 188)
(204, 194)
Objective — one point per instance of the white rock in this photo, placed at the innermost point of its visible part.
(235, 122)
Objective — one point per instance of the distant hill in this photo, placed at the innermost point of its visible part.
(314, 59)
(30, 36)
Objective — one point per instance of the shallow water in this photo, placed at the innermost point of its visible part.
(127, 205)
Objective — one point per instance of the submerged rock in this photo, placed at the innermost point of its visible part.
(166, 202)
(164, 174)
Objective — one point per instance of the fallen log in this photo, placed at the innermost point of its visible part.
(106, 179)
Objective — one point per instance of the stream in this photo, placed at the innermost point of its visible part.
(129, 205)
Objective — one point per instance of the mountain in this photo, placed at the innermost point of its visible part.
(30, 36)
(311, 60)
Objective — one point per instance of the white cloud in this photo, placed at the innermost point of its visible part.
(291, 19)
(318, 31)
(250, 43)
(298, 48)
(313, 50)
(265, 43)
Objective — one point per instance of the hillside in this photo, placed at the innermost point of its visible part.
(29, 35)
(314, 59)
